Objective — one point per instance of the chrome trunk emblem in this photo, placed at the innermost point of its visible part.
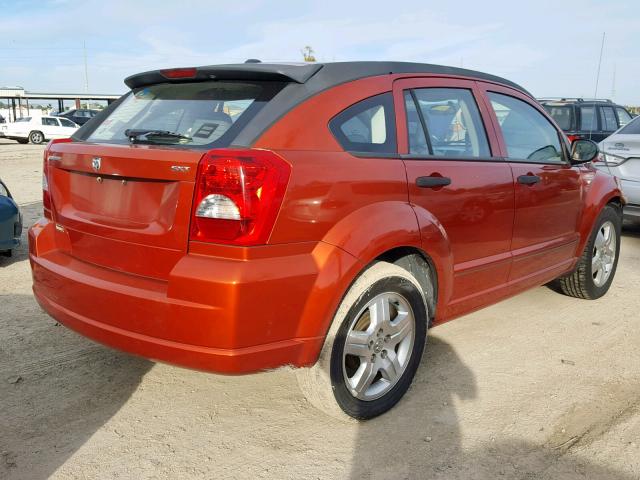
(95, 163)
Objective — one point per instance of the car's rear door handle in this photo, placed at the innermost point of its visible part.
(432, 182)
(528, 179)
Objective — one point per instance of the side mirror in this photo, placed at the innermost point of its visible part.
(583, 151)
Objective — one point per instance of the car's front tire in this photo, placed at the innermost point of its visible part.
(373, 348)
(36, 137)
(597, 266)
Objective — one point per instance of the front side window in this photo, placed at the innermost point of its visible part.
(367, 126)
(588, 122)
(3, 190)
(189, 114)
(50, 122)
(452, 122)
(527, 134)
(623, 116)
(608, 119)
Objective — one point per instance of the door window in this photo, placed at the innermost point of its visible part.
(451, 119)
(623, 116)
(367, 126)
(608, 119)
(50, 122)
(527, 134)
(588, 121)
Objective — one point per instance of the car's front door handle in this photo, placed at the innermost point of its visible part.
(528, 179)
(432, 182)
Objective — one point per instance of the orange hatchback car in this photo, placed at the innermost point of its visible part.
(237, 218)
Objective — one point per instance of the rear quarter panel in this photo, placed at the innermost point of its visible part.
(359, 204)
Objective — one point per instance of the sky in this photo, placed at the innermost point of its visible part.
(549, 47)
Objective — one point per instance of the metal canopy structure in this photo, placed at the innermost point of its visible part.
(16, 96)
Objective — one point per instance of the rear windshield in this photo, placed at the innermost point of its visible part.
(632, 128)
(195, 114)
(562, 115)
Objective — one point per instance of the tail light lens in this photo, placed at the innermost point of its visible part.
(46, 193)
(237, 196)
(46, 196)
(573, 138)
(609, 159)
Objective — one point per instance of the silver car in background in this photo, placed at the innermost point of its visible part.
(620, 156)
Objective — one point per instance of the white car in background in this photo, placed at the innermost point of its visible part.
(38, 129)
(620, 156)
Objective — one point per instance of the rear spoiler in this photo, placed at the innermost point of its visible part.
(287, 72)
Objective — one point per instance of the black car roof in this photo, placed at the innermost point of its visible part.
(324, 75)
(301, 81)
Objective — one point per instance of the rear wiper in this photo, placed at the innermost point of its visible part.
(142, 136)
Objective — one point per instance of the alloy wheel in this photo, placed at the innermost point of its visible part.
(378, 346)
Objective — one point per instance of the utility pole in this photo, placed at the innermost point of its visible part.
(86, 70)
(613, 83)
(595, 95)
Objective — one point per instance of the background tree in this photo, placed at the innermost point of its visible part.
(307, 53)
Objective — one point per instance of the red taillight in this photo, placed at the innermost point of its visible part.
(46, 196)
(237, 196)
(46, 193)
(179, 73)
(573, 138)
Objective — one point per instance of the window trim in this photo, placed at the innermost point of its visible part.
(561, 137)
(362, 105)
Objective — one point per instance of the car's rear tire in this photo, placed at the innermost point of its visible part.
(36, 137)
(596, 268)
(384, 316)
(23, 141)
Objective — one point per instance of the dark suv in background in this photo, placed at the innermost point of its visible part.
(79, 116)
(592, 119)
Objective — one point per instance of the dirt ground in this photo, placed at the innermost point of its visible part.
(538, 387)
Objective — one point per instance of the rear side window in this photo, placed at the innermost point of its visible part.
(623, 116)
(66, 123)
(367, 126)
(527, 134)
(4, 192)
(451, 119)
(608, 119)
(588, 122)
(196, 113)
(562, 115)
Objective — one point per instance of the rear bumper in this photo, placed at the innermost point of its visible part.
(214, 314)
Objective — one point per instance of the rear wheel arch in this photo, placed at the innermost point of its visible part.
(421, 266)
